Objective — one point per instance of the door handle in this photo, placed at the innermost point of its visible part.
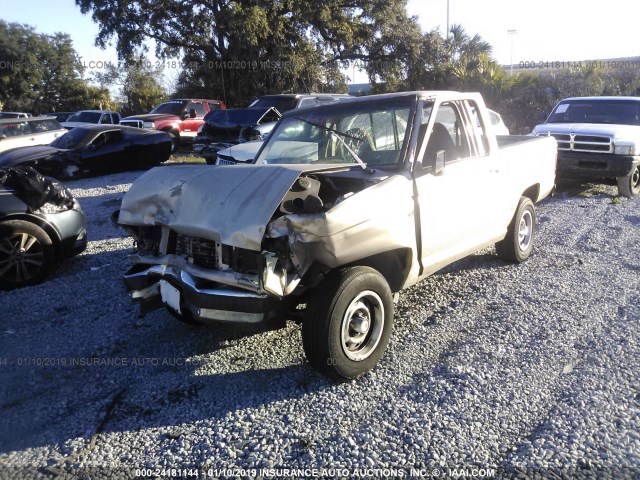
(494, 170)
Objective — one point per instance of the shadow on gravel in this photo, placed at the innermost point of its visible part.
(633, 219)
(81, 371)
(485, 261)
(102, 181)
(585, 188)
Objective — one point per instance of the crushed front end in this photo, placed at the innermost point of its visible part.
(204, 279)
(235, 243)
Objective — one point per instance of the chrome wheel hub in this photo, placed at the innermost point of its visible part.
(525, 230)
(362, 325)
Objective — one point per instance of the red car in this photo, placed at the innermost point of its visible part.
(180, 118)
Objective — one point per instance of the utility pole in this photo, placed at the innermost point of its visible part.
(512, 33)
(447, 35)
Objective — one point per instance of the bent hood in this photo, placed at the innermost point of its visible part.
(228, 204)
(19, 155)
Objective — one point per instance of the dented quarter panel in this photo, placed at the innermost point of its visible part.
(228, 204)
(377, 219)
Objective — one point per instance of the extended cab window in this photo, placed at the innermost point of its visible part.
(446, 135)
(452, 134)
(481, 145)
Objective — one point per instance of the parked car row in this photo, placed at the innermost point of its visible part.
(14, 115)
(597, 137)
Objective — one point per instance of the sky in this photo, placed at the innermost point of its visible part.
(547, 30)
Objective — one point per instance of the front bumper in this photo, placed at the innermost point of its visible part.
(161, 285)
(595, 165)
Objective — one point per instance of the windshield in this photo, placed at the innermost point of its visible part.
(76, 138)
(282, 104)
(345, 133)
(621, 112)
(235, 117)
(85, 117)
(174, 107)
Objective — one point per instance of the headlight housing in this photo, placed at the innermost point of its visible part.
(626, 150)
(149, 125)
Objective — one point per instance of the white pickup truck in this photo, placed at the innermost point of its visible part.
(346, 205)
(598, 137)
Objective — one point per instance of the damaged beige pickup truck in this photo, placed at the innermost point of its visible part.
(346, 205)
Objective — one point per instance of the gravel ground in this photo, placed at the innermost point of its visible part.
(492, 369)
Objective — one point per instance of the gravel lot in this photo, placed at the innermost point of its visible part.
(529, 369)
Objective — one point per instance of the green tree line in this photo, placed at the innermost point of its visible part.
(237, 50)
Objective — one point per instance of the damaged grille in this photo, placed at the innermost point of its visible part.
(200, 251)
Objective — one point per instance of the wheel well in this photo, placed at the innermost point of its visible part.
(394, 266)
(44, 225)
(532, 192)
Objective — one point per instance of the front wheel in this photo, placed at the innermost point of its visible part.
(629, 186)
(175, 140)
(26, 254)
(518, 244)
(348, 322)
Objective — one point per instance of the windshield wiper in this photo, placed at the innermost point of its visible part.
(335, 134)
(355, 156)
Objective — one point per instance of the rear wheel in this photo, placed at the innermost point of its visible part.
(348, 322)
(26, 254)
(629, 186)
(518, 244)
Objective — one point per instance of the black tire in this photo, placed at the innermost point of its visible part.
(518, 244)
(348, 322)
(175, 140)
(149, 160)
(26, 254)
(629, 186)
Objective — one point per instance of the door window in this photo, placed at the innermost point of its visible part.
(107, 138)
(198, 107)
(451, 134)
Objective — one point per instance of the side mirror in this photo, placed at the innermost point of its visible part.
(2, 136)
(192, 113)
(91, 147)
(440, 160)
(184, 115)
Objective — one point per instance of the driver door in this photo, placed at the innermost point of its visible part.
(106, 152)
(452, 184)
